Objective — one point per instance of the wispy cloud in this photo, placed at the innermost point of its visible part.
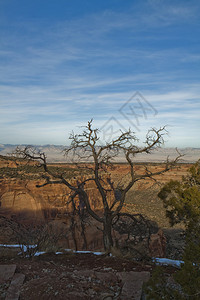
(57, 74)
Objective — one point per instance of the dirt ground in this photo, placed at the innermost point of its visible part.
(74, 276)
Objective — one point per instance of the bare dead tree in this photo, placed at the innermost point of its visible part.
(85, 148)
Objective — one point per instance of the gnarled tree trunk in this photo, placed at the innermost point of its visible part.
(107, 233)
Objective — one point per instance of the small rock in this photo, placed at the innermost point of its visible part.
(107, 269)
(7, 272)
(107, 296)
(15, 286)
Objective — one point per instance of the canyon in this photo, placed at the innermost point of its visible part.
(21, 201)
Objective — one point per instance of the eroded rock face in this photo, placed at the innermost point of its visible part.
(18, 197)
(21, 198)
(27, 203)
(48, 201)
(77, 237)
(20, 201)
(157, 244)
(17, 200)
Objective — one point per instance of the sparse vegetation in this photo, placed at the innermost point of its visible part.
(182, 201)
(31, 172)
(32, 238)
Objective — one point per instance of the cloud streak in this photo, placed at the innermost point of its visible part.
(56, 74)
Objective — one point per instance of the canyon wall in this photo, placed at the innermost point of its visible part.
(21, 200)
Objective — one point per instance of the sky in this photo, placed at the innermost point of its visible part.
(124, 64)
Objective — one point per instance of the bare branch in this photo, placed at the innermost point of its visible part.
(99, 160)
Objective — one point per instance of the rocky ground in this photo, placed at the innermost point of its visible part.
(77, 276)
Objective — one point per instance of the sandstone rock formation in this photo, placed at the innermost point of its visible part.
(157, 244)
(22, 200)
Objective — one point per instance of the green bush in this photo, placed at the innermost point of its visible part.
(182, 203)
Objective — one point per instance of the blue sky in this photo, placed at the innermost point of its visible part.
(64, 62)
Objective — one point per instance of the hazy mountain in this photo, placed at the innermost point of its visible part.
(55, 153)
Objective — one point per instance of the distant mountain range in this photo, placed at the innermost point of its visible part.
(55, 154)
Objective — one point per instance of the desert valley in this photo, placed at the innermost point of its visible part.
(44, 216)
